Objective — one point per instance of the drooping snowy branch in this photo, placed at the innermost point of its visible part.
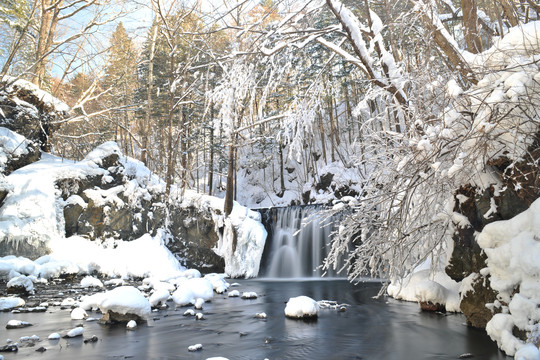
(389, 75)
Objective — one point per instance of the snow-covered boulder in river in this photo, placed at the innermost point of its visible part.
(123, 304)
(301, 307)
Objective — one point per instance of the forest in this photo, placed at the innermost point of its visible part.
(397, 112)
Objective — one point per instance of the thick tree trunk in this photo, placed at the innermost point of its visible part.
(145, 124)
(470, 26)
(50, 11)
(509, 11)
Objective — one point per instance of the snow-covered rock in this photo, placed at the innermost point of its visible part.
(160, 296)
(195, 347)
(199, 303)
(8, 303)
(20, 285)
(75, 332)
(249, 295)
(131, 325)
(90, 281)
(78, 314)
(260, 315)
(301, 307)
(54, 336)
(218, 282)
(124, 303)
(426, 287)
(190, 290)
(528, 352)
(512, 250)
(17, 324)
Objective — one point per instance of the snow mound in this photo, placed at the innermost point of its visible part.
(528, 352)
(301, 307)
(190, 290)
(138, 258)
(90, 281)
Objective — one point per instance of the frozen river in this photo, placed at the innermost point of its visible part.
(369, 329)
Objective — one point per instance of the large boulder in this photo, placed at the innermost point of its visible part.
(29, 111)
(195, 236)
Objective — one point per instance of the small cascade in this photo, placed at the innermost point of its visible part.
(298, 242)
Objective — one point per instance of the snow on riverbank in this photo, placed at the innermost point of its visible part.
(427, 287)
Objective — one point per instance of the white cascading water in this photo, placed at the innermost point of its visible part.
(300, 242)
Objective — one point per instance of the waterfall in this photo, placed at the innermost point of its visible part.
(298, 242)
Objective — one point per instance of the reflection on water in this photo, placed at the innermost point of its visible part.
(369, 329)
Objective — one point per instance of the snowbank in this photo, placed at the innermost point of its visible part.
(513, 249)
(426, 286)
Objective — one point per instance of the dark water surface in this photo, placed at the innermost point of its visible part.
(370, 329)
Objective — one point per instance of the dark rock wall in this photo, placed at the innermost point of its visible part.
(192, 230)
(520, 188)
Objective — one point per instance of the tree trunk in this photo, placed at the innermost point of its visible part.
(323, 143)
(50, 10)
(170, 150)
(145, 124)
(332, 128)
(509, 11)
(229, 192)
(281, 172)
(211, 162)
(470, 26)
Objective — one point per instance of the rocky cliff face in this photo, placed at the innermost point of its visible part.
(106, 206)
(519, 189)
